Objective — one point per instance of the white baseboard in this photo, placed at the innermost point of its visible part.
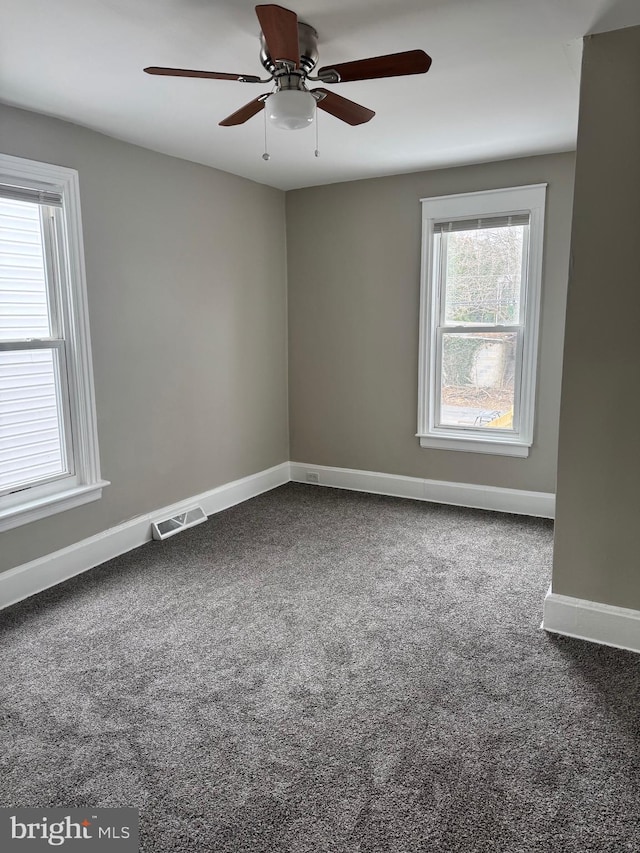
(592, 621)
(23, 581)
(541, 504)
(572, 617)
(38, 575)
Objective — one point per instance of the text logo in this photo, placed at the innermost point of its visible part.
(33, 829)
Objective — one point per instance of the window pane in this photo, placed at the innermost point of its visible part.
(483, 275)
(478, 380)
(31, 433)
(24, 309)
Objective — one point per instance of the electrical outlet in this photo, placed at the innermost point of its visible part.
(313, 477)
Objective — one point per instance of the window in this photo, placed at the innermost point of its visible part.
(48, 440)
(480, 297)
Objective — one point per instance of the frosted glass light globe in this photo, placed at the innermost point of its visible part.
(291, 109)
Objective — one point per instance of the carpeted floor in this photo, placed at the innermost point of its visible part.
(318, 670)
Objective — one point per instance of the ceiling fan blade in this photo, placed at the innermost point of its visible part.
(280, 29)
(392, 65)
(212, 75)
(244, 113)
(343, 108)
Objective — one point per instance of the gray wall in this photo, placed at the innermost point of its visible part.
(597, 548)
(354, 270)
(186, 274)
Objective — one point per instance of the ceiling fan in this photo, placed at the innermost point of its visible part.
(289, 53)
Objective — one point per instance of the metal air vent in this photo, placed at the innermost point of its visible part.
(170, 526)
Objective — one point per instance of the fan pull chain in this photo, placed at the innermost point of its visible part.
(266, 155)
(317, 151)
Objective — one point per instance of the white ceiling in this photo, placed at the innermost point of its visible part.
(504, 80)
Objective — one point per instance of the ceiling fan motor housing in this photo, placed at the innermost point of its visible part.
(308, 42)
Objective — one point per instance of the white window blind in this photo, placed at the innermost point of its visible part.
(480, 223)
(31, 194)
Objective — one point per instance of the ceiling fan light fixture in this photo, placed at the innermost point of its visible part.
(291, 109)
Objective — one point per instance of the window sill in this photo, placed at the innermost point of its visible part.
(41, 507)
(476, 445)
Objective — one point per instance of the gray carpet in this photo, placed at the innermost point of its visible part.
(318, 670)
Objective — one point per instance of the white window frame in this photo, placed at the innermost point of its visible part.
(84, 483)
(501, 202)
